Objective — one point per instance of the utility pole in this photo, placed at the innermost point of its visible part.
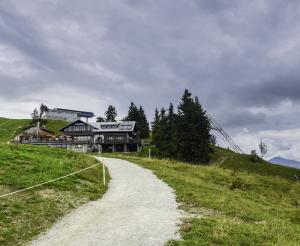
(38, 131)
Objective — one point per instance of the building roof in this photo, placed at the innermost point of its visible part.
(77, 121)
(40, 129)
(120, 126)
(78, 112)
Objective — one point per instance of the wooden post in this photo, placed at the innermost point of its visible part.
(149, 153)
(103, 173)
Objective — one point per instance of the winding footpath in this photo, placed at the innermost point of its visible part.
(137, 210)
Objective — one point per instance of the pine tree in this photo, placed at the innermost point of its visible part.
(192, 131)
(169, 132)
(183, 129)
(42, 113)
(43, 110)
(133, 113)
(144, 125)
(100, 119)
(35, 116)
(202, 131)
(161, 136)
(155, 127)
(110, 114)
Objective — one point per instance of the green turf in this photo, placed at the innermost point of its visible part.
(233, 201)
(23, 216)
(9, 128)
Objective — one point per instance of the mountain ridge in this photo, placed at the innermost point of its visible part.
(285, 162)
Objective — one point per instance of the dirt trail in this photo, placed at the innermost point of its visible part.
(138, 209)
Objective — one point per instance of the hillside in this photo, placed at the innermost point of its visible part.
(232, 201)
(22, 166)
(9, 128)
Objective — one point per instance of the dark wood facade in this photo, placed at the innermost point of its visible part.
(104, 136)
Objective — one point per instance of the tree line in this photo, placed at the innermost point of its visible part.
(135, 113)
(183, 135)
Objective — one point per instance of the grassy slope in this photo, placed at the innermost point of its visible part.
(234, 201)
(24, 215)
(9, 128)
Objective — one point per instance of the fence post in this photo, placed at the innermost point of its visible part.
(149, 153)
(103, 173)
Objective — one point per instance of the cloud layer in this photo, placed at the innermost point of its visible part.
(240, 57)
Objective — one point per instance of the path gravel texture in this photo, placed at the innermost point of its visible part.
(138, 209)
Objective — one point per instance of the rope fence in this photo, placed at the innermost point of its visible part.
(53, 180)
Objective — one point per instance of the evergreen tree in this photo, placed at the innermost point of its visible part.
(43, 110)
(133, 113)
(169, 132)
(110, 114)
(161, 136)
(144, 125)
(155, 127)
(100, 119)
(35, 116)
(202, 130)
(192, 131)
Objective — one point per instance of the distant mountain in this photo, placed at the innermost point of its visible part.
(285, 162)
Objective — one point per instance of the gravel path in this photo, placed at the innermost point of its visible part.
(138, 209)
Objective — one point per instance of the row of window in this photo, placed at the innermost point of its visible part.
(78, 129)
(109, 126)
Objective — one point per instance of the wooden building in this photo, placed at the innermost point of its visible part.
(120, 136)
(34, 134)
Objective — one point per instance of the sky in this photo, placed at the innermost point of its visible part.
(241, 58)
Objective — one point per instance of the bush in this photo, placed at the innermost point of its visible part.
(254, 156)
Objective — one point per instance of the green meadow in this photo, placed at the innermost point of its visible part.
(24, 215)
(232, 201)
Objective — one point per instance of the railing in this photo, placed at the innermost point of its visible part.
(79, 142)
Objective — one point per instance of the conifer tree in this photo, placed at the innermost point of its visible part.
(155, 127)
(161, 136)
(169, 132)
(192, 130)
(100, 119)
(110, 114)
(144, 125)
(184, 135)
(133, 113)
(138, 115)
(35, 116)
(183, 130)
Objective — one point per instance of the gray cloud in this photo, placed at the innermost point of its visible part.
(241, 58)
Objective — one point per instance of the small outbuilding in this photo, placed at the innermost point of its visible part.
(34, 134)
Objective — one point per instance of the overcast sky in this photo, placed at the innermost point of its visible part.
(241, 58)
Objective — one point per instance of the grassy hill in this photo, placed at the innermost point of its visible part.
(24, 215)
(9, 128)
(232, 201)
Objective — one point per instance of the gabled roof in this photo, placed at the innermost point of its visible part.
(41, 129)
(120, 126)
(77, 121)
